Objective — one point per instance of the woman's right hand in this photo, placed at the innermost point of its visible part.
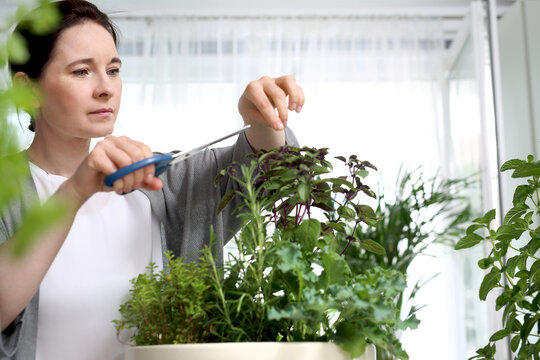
(108, 156)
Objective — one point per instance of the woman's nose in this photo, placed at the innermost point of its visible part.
(104, 87)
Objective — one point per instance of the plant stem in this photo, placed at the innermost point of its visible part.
(217, 284)
(508, 277)
(260, 232)
(527, 253)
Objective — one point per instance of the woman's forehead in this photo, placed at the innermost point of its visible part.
(84, 40)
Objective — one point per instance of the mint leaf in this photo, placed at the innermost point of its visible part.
(491, 281)
(468, 241)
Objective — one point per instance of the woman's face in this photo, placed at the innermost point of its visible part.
(81, 83)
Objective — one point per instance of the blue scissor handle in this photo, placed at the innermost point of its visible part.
(161, 162)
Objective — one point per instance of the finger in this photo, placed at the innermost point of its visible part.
(279, 98)
(256, 95)
(155, 184)
(136, 153)
(119, 153)
(293, 91)
(146, 174)
(106, 159)
(301, 101)
(149, 171)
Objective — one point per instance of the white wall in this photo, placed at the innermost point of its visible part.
(520, 80)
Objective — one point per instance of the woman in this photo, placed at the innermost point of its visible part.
(58, 301)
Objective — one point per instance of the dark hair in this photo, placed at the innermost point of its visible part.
(40, 47)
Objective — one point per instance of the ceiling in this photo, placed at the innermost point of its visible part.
(451, 10)
(292, 7)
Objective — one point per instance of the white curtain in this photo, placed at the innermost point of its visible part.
(371, 84)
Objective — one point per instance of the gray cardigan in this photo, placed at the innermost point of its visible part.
(186, 208)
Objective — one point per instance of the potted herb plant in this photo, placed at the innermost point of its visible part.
(288, 292)
(513, 264)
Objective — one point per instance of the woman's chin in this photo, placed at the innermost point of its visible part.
(100, 131)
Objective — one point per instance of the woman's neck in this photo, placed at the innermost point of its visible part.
(58, 155)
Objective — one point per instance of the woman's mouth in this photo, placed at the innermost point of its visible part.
(104, 113)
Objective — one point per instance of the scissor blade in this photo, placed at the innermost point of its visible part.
(183, 155)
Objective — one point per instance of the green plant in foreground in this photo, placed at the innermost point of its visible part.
(13, 164)
(289, 280)
(513, 269)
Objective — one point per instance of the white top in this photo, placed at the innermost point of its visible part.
(111, 241)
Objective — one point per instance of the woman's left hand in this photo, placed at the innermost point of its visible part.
(262, 97)
(258, 105)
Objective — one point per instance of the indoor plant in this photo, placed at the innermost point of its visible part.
(289, 281)
(423, 211)
(513, 263)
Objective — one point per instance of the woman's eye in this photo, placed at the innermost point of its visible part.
(80, 72)
(113, 72)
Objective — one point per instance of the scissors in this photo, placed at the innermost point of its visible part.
(163, 162)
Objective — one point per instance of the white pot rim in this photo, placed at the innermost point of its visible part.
(267, 350)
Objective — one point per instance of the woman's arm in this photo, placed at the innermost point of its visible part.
(20, 278)
(258, 105)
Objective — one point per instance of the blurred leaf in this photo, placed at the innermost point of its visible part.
(36, 222)
(44, 19)
(16, 48)
(335, 268)
(290, 258)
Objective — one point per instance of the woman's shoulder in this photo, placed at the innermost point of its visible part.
(18, 192)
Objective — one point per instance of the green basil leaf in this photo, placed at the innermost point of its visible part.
(373, 246)
(474, 227)
(346, 212)
(514, 213)
(491, 281)
(303, 191)
(512, 164)
(307, 234)
(508, 232)
(468, 241)
(501, 334)
(336, 226)
(225, 200)
(487, 218)
(514, 343)
(527, 170)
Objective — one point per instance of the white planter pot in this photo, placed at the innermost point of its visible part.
(245, 351)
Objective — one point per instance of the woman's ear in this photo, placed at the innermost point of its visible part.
(22, 80)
